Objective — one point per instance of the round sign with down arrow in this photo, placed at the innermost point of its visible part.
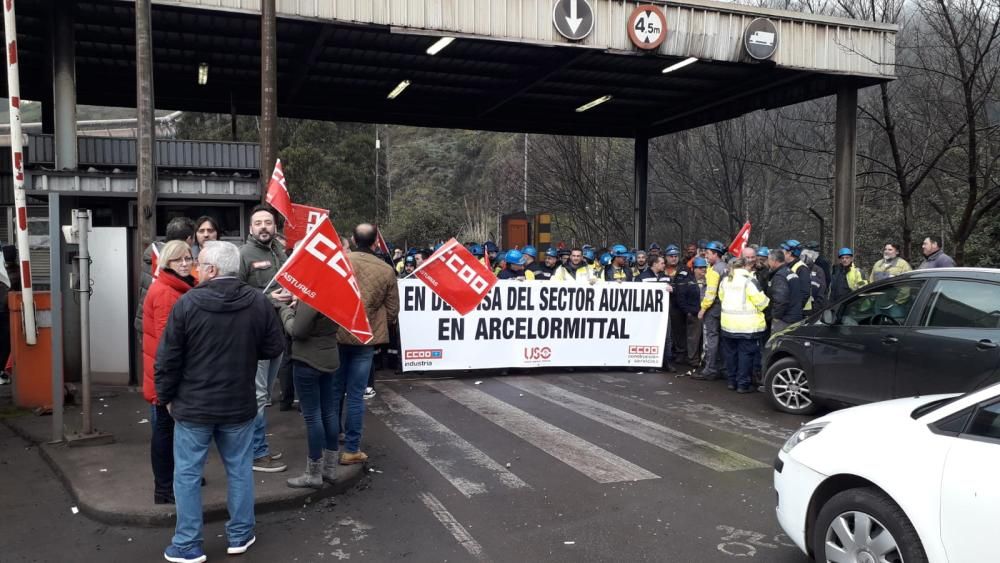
(647, 27)
(573, 19)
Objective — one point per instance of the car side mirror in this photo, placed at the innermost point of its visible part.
(828, 317)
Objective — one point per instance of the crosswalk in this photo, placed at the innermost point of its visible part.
(444, 440)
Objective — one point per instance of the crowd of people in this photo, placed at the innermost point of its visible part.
(216, 335)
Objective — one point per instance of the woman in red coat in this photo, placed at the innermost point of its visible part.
(174, 280)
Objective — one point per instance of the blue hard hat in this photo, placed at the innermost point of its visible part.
(606, 259)
(411, 251)
(586, 246)
(845, 252)
(410, 260)
(515, 257)
(530, 251)
(791, 244)
(630, 257)
(672, 250)
(619, 250)
(700, 262)
(716, 246)
(476, 250)
(763, 251)
(702, 243)
(490, 246)
(654, 246)
(552, 251)
(588, 255)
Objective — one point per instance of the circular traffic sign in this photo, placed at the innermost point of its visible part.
(647, 27)
(573, 19)
(760, 39)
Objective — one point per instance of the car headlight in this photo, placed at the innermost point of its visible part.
(803, 434)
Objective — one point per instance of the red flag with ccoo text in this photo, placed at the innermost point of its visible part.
(319, 273)
(457, 276)
(304, 218)
(277, 194)
(741, 240)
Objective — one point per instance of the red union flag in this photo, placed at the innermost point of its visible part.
(381, 242)
(741, 240)
(319, 273)
(304, 218)
(456, 276)
(277, 194)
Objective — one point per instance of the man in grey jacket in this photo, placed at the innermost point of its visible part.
(934, 257)
(260, 259)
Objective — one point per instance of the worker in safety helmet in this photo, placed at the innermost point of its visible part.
(618, 270)
(711, 310)
(515, 267)
(576, 270)
(846, 275)
(547, 268)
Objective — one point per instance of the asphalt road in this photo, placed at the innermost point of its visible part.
(605, 466)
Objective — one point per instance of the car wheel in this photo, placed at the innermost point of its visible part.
(866, 526)
(788, 388)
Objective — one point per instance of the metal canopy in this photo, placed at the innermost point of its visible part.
(342, 71)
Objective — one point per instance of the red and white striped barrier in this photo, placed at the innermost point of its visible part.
(16, 154)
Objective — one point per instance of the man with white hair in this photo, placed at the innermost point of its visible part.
(205, 374)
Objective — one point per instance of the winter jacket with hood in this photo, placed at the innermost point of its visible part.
(162, 295)
(206, 364)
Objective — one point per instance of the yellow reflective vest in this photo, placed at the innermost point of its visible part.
(743, 304)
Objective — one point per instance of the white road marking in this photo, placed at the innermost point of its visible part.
(457, 530)
(594, 462)
(674, 441)
(703, 414)
(439, 445)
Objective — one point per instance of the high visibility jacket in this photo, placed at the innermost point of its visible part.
(845, 281)
(743, 305)
(804, 273)
(567, 273)
(613, 273)
(712, 278)
(508, 274)
(887, 269)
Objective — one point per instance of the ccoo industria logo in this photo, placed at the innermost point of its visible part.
(640, 351)
(428, 354)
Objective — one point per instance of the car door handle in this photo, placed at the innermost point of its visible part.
(986, 344)
(890, 340)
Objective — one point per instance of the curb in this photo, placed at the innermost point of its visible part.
(348, 477)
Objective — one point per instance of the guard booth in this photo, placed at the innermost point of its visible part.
(217, 179)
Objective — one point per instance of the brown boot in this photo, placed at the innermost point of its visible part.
(350, 458)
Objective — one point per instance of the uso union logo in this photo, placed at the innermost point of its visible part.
(434, 354)
(643, 351)
(537, 353)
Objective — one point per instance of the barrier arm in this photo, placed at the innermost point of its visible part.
(16, 155)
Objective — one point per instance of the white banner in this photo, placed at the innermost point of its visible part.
(535, 324)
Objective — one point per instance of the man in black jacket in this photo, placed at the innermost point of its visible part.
(205, 374)
(782, 290)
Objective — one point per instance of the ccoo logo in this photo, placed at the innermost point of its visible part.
(537, 353)
(434, 354)
(643, 350)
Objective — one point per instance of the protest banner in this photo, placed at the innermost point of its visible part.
(319, 273)
(535, 324)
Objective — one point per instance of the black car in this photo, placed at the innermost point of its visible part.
(922, 332)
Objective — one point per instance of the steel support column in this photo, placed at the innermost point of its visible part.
(145, 128)
(641, 193)
(268, 91)
(55, 289)
(845, 147)
(64, 89)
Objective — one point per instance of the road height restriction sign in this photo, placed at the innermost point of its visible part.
(647, 27)
(573, 19)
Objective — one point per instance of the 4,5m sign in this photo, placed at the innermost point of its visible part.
(647, 27)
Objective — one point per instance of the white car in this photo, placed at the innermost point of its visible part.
(903, 481)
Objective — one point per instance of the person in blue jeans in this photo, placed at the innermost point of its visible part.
(377, 282)
(314, 359)
(205, 375)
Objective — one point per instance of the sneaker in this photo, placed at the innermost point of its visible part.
(267, 464)
(276, 455)
(731, 387)
(350, 458)
(4, 378)
(369, 393)
(176, 555)
(236, 548)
